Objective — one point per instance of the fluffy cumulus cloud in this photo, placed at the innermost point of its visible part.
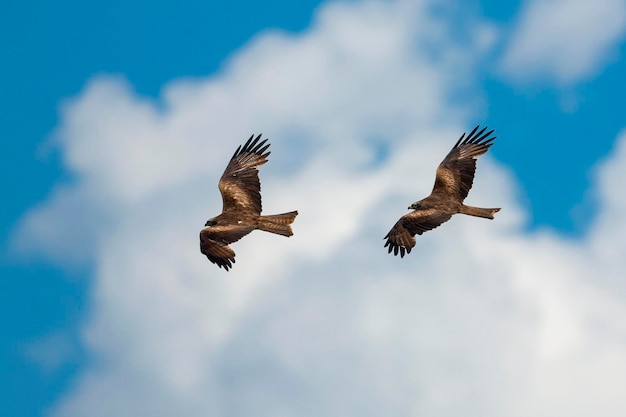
(480, 319)
(564, 41)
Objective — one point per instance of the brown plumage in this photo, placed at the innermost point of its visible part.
(455, 176)
(241, 206)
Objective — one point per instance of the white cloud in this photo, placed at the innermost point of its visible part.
(564, 41)
(480, 319)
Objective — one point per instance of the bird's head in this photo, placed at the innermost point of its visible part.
(415, 205)
(210, 222)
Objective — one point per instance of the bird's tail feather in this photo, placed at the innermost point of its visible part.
(278, 223)
(487, 213)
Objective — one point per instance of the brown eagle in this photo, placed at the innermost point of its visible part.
(241, 206)
(455, 176)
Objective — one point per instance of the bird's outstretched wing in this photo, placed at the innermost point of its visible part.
(455, 174)
(218, 253)
(401, 237)
(214, 242)
(239, 184)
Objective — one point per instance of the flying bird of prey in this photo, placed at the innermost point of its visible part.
(455, 176)
(241, 206)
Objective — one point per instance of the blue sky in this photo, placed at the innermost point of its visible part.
(558, 116)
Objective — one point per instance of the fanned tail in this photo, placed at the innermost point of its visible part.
(278, 223)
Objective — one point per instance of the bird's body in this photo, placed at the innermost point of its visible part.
(454, 179)
(241, 206)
